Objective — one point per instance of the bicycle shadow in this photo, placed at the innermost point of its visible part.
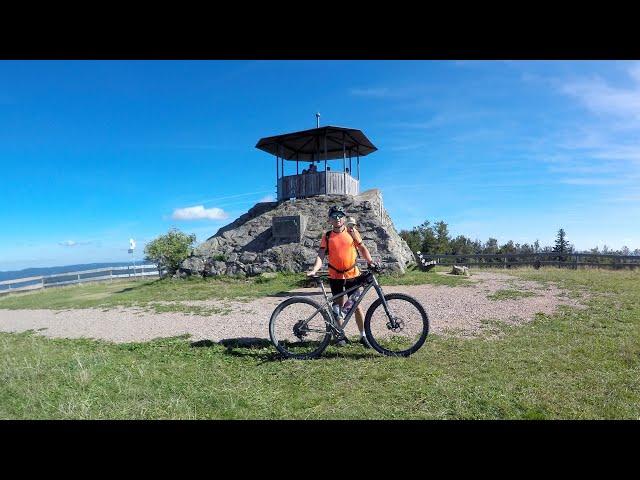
(295, 294)
(253, 347)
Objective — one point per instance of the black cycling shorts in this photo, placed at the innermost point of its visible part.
(339, 286)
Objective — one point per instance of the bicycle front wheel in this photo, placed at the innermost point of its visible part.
(299, 328)
(402, 336)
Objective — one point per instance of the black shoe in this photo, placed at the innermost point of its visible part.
(365, 343)
(341, 340)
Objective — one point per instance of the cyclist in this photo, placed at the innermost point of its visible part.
(343, 271)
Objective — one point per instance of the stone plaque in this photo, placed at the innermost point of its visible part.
(289, 228)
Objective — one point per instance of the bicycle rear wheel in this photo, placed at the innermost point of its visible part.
(403, 338)
(294, 336)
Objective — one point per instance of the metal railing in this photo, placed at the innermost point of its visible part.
(69, 278)
(507, 260)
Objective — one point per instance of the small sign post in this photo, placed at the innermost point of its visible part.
(132, 246)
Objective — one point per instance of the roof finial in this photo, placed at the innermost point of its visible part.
(318, 120)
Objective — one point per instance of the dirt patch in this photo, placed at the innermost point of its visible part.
(459, 311)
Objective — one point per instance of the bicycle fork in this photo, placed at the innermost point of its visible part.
(393, 324)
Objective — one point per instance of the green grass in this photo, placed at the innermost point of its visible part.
(577, 364)
(144, 293)
(509, 294)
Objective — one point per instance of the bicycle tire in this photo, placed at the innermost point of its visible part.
(281, 343)
(422, 325)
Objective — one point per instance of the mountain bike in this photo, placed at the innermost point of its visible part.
(395, 324)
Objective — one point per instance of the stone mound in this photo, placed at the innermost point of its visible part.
(248, 246)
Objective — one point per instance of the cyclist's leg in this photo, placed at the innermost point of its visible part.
(359, 315)
(337, 287)
(360, 319)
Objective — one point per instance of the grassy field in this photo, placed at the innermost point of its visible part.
(577, 364)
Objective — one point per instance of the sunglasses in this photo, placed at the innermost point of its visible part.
(336, 216)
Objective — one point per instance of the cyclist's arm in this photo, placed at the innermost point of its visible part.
(364, 251)
(318, 264)
(357, 241)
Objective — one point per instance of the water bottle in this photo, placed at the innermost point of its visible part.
(337, 312)
(351, 301)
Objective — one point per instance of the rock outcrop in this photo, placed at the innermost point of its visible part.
(248, 247)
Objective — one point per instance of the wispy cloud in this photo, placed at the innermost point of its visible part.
(593, 181)
(600, 149)
(247, 194)
(602, 98)
(375, 92)
(198, 212)
(268, 198)
(72, 243)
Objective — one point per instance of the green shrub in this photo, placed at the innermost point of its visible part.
(170, 250)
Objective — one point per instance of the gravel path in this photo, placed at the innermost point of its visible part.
(460, 311)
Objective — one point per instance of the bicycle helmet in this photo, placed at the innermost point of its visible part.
(337, 210)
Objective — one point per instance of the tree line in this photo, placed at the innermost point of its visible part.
(434, 239)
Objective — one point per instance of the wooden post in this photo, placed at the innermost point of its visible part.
(325, 165)
(344, 165)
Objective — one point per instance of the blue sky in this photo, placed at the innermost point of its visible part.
(93, 153)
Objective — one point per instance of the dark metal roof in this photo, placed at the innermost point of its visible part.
(308, 145)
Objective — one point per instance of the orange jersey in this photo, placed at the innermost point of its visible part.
(342, 253)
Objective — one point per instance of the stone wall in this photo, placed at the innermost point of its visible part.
(247, 246)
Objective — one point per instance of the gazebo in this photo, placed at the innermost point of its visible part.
(315, 147)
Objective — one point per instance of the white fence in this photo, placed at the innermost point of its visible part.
(68, 278)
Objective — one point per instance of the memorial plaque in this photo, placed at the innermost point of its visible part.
(289, 228)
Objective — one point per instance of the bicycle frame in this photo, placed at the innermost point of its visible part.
(367, 285)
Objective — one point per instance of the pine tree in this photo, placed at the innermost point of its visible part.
(562, 245)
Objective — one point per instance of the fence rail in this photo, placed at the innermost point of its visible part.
(507, 260)
(67, 278)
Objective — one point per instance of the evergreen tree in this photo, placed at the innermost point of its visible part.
(562, 246)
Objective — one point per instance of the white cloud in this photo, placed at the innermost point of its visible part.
(593, 181)
(381, 92)
(72, 243)
(268, 198)
(198, 212)
(602, 98)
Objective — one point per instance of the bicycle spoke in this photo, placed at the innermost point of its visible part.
(404, 332)
(297, 330)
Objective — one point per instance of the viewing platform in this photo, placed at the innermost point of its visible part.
(317, 183)
(315, 148)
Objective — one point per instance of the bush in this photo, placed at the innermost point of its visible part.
(170, 250)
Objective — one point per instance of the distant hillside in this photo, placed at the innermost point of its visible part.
(35, 272)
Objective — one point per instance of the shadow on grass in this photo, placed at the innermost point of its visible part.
(253, 347)
(137, 287)
(295, 294)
